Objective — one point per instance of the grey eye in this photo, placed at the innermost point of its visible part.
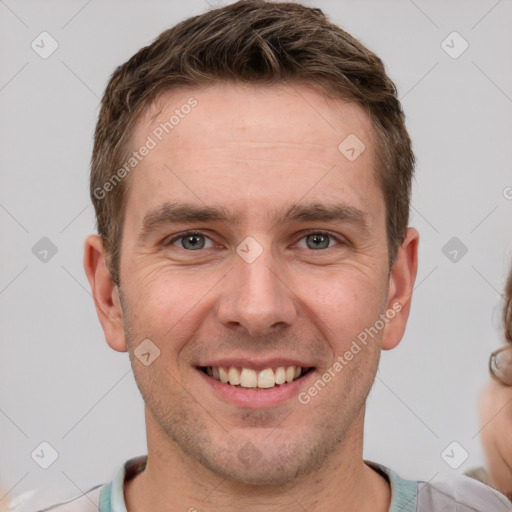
(318, 241)
(192, 242)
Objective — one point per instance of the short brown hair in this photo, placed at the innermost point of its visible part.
(260, 42)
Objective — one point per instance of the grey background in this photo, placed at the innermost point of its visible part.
(61, 383)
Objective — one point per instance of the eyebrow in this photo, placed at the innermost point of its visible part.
(325, 212)
(185, 213)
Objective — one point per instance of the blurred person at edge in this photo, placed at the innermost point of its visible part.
(255, 161)
(495, 410)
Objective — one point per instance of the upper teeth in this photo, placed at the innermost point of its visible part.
(249, 378)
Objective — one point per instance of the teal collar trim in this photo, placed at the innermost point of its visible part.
(105, 498)
(112, 495)
(404, 493)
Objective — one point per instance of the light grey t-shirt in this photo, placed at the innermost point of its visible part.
(460, 494)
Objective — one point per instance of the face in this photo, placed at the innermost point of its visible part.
(254, 250)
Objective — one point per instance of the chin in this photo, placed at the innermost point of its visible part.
(262, 464)
(262, 473)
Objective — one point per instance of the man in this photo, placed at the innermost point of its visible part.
(251, 179)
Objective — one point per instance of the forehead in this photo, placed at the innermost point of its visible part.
(253, 145)
(239, 112)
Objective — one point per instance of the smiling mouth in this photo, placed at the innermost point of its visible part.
(256, 380)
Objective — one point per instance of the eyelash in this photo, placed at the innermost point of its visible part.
(311, 232)
(183, 235)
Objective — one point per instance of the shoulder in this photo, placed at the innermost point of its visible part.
(467, 494)
(459, 493)
(103, 495)
(40, 502)
(478, 473)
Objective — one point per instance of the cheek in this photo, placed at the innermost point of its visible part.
(162, 305)
(342, 303)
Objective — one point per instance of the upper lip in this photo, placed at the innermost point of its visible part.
(255, 364)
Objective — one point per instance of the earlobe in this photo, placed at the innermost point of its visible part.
(104, 292)
(402, 278)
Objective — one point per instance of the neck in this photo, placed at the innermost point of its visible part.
(344, 483)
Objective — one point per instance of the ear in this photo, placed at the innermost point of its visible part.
(104, 292)
(401, 283)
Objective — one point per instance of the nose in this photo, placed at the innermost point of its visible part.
(256, 298)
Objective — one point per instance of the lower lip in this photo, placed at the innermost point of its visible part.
(250, 398)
